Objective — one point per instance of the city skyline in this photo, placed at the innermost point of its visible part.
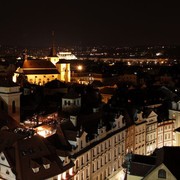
(112, 23)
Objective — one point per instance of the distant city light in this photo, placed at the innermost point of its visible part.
(159, 54)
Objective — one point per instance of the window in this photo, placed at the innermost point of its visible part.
(77, 164)
(93, 168)
(82, 160)
(65, 102)
(162, 174)
(87, 174)
(13, 107)
(2, 105)
(2, 158)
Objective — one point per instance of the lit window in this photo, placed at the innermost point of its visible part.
(46, 166)
(35, 170)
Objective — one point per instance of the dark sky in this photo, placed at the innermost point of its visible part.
(89, 22)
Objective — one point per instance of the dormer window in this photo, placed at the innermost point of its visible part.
(162, 174)
(46, 166)
(2, 158)
(35, 170)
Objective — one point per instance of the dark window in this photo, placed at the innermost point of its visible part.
(65, 102)
(13, 107)
(2, 105)
(77, 164)
(162, 174)
(3, 158)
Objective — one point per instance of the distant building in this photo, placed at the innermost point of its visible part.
(62, 65)
(37, 71)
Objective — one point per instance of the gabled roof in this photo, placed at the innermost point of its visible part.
(39, 66)
(8, 121)
(55, 84)
(41, 71)
(38, 63)
(25, 155)
(71, 95)
(143, 165)
(170, 156)
(149, 113)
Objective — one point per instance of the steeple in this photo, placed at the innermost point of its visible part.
(25, 54)
(53, 50)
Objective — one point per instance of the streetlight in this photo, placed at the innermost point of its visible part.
(79, 67)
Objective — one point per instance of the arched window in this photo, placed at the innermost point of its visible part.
(162, 174)
(2, 105)
(13, 107)
(65, 102)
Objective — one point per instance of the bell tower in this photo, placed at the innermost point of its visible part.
(10, 98)
(53, 54)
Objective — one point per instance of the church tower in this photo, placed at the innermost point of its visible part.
(63, 66)
(10, 98)
(53, 54)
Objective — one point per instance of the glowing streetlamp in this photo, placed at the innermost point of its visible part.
(79, 67)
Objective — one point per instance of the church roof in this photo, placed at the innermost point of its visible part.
(38, 63)
(47, 71)
(39, 66)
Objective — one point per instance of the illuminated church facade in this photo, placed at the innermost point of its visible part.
(42, 71)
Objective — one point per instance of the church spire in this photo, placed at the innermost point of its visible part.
(53, 50)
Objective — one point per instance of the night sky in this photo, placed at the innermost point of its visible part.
(83, 22)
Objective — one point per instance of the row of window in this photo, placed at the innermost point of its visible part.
(98, 150)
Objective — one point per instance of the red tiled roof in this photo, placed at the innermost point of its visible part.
(41, 71)
(38, 63)
(6, 120)
(24, 154)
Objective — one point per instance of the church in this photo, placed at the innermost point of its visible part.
(42, 71)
